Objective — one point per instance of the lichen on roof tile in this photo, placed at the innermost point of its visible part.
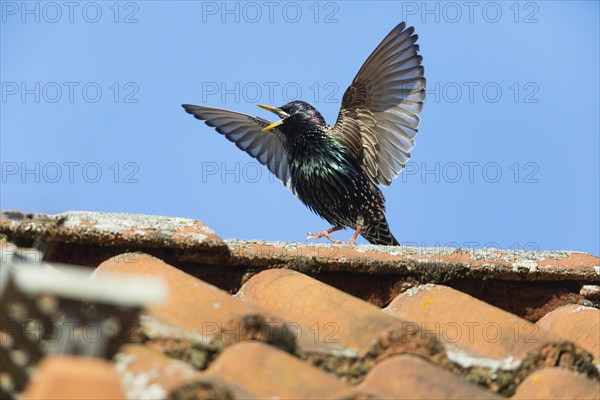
(462, 357)
(105, 231)
(137, 224)
(418, 288)
(434, 264)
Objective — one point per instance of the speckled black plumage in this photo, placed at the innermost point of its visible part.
(334, 170)
(327, 177)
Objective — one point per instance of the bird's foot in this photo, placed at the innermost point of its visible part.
(326, 233)
(356, 232)
(311, 235)
(319, 235)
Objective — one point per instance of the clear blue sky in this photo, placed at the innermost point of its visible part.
(507, 154)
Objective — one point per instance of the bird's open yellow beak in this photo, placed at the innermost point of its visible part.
(274, 110)
(273, 125)
(270, 108)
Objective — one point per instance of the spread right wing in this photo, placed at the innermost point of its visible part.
(245, 131)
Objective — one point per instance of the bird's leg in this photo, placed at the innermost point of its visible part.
(325, 233)
(353, 239)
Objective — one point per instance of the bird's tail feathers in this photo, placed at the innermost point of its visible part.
(378, 232)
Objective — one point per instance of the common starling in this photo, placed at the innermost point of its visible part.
(334, 170)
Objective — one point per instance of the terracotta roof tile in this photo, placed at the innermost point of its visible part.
(359, 327)
(214, 316)
(537, 281)
(146, 373)
(190, 240)
(576, 323)
(419, 261)
(149, 374)
(267, 372)
(198, 319)
(112, 228)
(76, 378)
(557, 383)
(299, 325)
(112, 232)
(410, 377)
(482, 337)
